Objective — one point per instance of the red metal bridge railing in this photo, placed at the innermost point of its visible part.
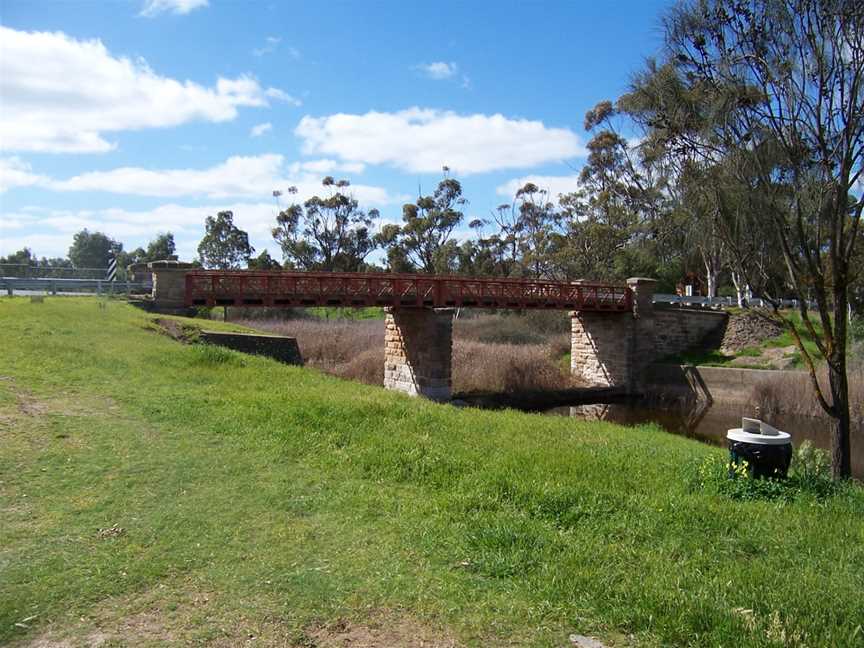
(298, 289)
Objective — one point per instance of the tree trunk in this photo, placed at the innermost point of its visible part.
(712, 284)
(740, 290)
(841, 451)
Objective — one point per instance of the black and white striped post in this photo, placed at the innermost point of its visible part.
(111, 274)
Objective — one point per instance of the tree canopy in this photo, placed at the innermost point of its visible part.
(224, 246)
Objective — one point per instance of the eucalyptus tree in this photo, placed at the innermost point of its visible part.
(326, 233)
(424, 241)
(224, 246)
(618, 217)
(778, 87)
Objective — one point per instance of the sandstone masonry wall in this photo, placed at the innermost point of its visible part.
(169, 283)
(418, 349)
(600, 348)
(613, 349)
(616, 350)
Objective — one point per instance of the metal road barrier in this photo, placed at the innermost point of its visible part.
(28, 286)
(724, 302)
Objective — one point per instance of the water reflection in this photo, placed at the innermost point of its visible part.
(710, 423)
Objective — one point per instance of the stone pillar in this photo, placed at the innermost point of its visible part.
(643, 343)
(600, 348)
(169, 282)
(418, 347)
(613, 349)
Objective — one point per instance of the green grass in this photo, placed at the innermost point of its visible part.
(257, 497)
(338, 312)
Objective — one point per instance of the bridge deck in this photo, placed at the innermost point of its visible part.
(297, 289)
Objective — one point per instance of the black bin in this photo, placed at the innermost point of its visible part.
(767, 451)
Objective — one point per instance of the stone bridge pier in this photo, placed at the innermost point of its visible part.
(614, 349)
(418, 350)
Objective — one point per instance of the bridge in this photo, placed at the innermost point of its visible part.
(615, 332)
(299, 289)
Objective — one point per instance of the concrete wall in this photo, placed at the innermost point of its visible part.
(418, 349)
(281, 348)
(681, 329)
(730, 386)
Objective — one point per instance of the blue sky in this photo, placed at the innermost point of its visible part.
(138, 117)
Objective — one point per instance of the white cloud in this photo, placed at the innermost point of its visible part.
(280, 95)
(555, 185)
(236, 176)
(326, 166)
(439, 70)
(62, 95)
(14, 172)
(424, 140)
(259, 129)
(155, 7)
(135, 228)
(55, 226)
(270, 44)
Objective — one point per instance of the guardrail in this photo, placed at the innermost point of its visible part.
(13, 285)
(724, 302)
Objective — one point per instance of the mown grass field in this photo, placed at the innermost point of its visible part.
(264, 504)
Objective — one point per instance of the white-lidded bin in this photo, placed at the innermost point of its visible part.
(767, 450)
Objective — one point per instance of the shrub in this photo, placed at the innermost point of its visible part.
(809, 475)
(505, 368)
(366, 367)
(532, 327)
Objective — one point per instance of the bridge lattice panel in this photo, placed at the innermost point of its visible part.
(297, 289)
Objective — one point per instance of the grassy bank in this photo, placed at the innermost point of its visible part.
(156, 494)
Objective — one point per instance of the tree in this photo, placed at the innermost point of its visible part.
(93, 249)
(330, 233)
(23, 257)
(539, 221)
(160, 248)
(18, 264)
(424, 240)
(264, 262)
(224, 246)
(777, 86)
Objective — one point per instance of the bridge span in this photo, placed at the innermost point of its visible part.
(613, 332)
(298, 289)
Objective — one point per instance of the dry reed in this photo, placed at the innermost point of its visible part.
(355, 350)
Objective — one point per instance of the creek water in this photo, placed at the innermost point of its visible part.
(710, 423)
